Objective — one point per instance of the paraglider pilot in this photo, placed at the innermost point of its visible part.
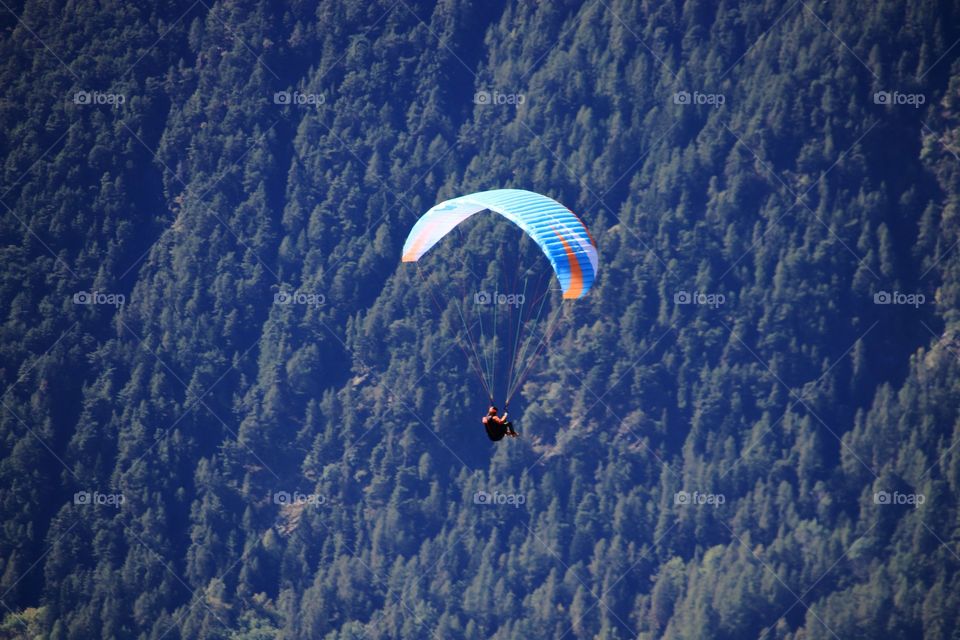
(496, 426)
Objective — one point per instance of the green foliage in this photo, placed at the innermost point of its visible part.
(311, 470)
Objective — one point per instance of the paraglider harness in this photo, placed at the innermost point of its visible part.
(496, 429)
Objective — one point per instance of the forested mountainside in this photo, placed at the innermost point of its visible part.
(747, 429)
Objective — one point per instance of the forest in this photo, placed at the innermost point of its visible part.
(228, 410)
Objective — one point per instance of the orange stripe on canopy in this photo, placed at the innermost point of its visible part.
(413, 254)
(576, 274)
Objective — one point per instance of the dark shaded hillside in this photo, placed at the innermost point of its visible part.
(745, 469)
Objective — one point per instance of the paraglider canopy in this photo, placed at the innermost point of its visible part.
(511, 338)
(559, 233)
